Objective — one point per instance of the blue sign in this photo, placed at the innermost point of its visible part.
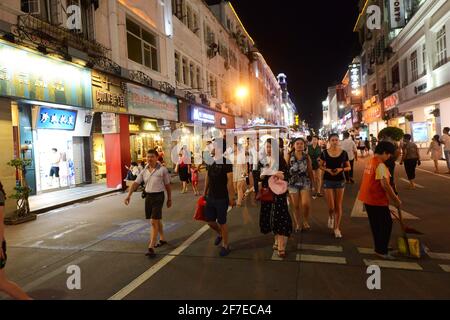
(202, 115)
(57, 119)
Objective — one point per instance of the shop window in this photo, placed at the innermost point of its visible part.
(142, 46)
(441, 48)
(414, 66)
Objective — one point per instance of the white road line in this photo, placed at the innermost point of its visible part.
(321, 259)
(394, 264)
(435, 174)
(158, 266)
(366, 251)
(444, 267)
(417, 185)
(320, 247)
(36, 283)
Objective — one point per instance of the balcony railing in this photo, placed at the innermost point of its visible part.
(40, 32)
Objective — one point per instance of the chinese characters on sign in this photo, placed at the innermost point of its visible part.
(372, 114)
(56, 119)
(391, 102)
(355, 78)
(28, 75)
(109, 93)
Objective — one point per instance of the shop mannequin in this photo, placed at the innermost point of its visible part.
(55, 159)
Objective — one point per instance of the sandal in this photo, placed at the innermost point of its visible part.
(160, 244)
(282, 254)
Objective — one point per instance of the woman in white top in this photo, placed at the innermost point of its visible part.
(435, 150)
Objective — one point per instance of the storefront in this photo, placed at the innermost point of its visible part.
(51, 110)
(373, 116)
(109, 93)
(156, 114)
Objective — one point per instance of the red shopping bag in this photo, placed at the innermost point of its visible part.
(200, 210)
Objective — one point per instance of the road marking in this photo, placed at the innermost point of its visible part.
(434, 174)
(321, 259)
(437, 256)
(394, 264)
(359, 211)
(444, 267)
(417, 185)
(319, 247)
(158, 266)
(275, 256)
(366, 251)
(36, 283)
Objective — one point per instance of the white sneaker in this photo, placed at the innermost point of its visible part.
(338, 234)
(331, 223)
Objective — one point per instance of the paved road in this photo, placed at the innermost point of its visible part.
(107, 241)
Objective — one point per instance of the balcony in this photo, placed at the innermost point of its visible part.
(41, 33)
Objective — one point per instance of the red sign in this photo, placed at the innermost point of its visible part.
(372, 114)
(391, 102)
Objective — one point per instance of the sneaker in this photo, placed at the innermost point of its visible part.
(151, 253)
(338, 234)
(330, 223)
(224, 252)
(218, 241)
(314, 196)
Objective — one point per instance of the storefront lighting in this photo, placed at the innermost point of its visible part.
(341, 106)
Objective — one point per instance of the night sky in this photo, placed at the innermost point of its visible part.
(311, 41)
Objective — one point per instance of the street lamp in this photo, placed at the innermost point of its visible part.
(242, 92)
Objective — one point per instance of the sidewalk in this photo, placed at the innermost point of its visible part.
(57, 199)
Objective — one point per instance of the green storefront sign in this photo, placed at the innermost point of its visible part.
(32, 76)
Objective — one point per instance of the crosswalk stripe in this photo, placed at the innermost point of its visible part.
(417, 185)
(320, 247)
(321, 259)
(438, 256)
(435, 174)
(444, 267)
(394, 264)
(366, 251)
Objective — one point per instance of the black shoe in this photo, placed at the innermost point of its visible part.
(218, 241)
(151, 253)
(224, 252)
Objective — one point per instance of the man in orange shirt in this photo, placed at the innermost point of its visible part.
(375, 193)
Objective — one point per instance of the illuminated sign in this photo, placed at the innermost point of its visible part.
(372, 114)
(223, 121)
(391, 102)
(149, 125)
(57, 119)
(74, 18)
(202, 115)
(150, 103)
(109, 93)
(420, 131)
(397, 14)
(374, 17)
(355, 78)
(28, 75)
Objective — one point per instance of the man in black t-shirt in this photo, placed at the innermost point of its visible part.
(219, 194)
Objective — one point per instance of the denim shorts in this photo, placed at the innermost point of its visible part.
(296, 189)
(328, 184)
(216, 210)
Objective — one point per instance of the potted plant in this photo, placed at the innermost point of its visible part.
(436, 112)
(21, 195)
(394, 133)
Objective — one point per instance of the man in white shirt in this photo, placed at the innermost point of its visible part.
(446, 141)
(349, 146)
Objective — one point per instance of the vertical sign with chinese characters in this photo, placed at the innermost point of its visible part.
(355, 78)
(109, 93)
(397, 14)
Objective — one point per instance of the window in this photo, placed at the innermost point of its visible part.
(195, 26)
(185, 72)
(189, 18)
(177, 8)
(30, 6)
(441, 46)
(405, 72)
(395, 78)
(177, 67)
(199, 78)
(210, 37)
(414, 66)
(193, 78)
(212, 86)
(142, 46)
(424, 59)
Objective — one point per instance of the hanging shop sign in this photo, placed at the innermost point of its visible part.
(397, 14)
(150, 103)
(109, 93)
(32, 76)
(57, 119)
(391, 102)
(355, 78)
(223, 121)
(372, 114)
(203, 115)
(109, 123)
